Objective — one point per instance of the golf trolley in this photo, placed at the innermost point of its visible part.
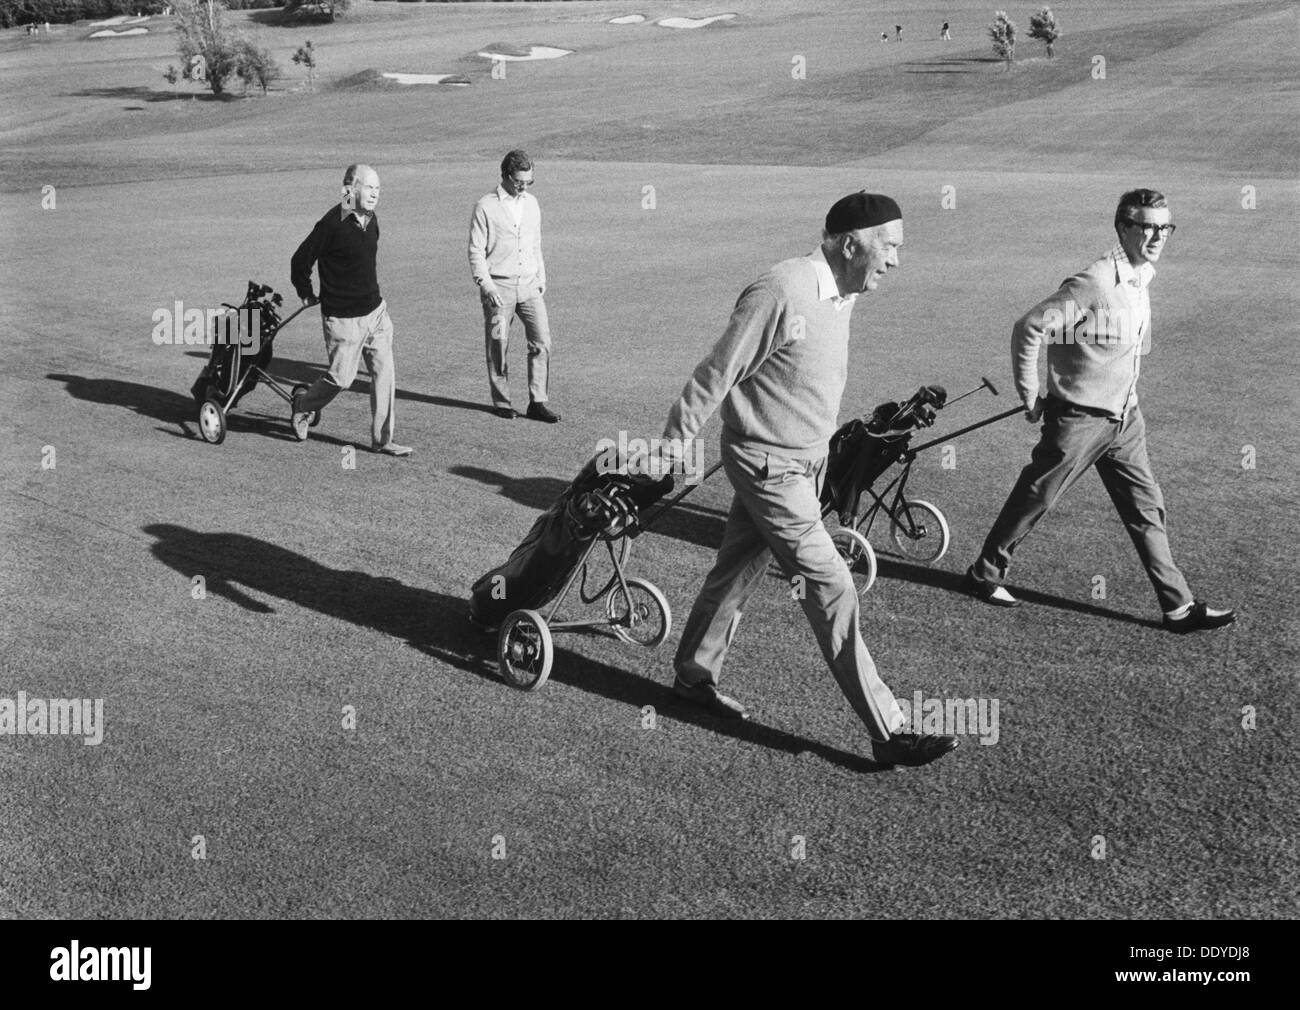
(235, 367)
(860, 454)
(597, 512)
(861, 451)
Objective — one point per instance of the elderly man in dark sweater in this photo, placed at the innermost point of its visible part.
(777, 375)
(343, 247)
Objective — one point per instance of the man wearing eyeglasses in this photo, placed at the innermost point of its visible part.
(1096, 327)
(505, 259)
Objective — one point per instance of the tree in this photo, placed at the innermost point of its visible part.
(316, 9)
(1042, 26)
(209, 48)
(1003, 34)
(306, 55)
(255, 66)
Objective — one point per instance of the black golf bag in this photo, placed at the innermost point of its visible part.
(594, 504)
(862, 450)
(232, 371)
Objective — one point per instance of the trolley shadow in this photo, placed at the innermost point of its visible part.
(236, 565)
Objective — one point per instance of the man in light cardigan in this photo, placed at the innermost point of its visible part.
(1096, 326)
(505, 259)
(777, 376)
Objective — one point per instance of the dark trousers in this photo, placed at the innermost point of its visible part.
(1073, 441)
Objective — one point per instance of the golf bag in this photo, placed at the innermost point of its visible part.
(594, 504)
(231, 370)
(862, 450)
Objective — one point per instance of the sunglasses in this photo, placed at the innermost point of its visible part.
(1154, 230)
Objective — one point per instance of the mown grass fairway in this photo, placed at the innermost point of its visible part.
(328, 587)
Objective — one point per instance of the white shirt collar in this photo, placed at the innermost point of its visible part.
(1127, 273)
(362, 219)
(501, 192)
(826, 286)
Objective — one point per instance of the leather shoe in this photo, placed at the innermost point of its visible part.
(707, 697)
(989, 592)
(392, 449)
(541, 412)
(1199, 618)
(912, 748)
(506, 412)
(301, 420)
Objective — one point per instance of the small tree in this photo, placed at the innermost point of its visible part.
(171, 75)
(1003, 34)
(1042, 26)
(208, 47)
(307, 57)
(255, 66)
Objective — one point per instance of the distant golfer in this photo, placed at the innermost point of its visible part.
(1095, 327)
(343, 247)
(777, 374)
(505, 259)
(944, 34)
(898, 33)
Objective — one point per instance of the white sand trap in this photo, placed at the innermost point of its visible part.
(109, 33)
(628, 19)
(692, 22)
(121, 19)
(534, 53)
(424, 79)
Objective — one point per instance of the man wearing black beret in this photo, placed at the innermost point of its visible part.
(777, 375)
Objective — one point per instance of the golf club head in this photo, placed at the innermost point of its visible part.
(991, 388)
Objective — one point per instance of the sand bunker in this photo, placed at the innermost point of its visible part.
(109, 33)
(456, 80)
(628, 19)
(121, 19)
(524, 53)
(692, 22)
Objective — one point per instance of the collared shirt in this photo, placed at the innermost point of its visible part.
(514, 204)
(362, 219)
(826, 286)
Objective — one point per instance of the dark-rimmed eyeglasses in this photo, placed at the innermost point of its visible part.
(1154, 230)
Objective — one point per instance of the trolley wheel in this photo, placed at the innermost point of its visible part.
(920, 531)
(302, 388)
(524, 650)
(646, 620)
(857, 554)
(212, 421)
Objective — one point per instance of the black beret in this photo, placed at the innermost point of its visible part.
(861, 210)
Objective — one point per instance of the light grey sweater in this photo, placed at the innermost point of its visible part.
(778, 370)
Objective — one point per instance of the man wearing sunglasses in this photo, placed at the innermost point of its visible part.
(1096, 327)
(505, 259)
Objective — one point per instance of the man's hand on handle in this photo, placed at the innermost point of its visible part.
(310, 300)
(1032, 414)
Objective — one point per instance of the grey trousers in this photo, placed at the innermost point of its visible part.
(776, 513)
(1074, 441)
(347, 341)
(524, 301)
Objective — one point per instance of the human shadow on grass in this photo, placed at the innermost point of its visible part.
(295, 371)
(686, 522)
(954, 582)
(236, 566)
(179, 409)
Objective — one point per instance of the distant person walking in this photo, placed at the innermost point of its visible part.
(898, 33)
(505, 259)
(343, 247)
(1095, 327)
(944, 34)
